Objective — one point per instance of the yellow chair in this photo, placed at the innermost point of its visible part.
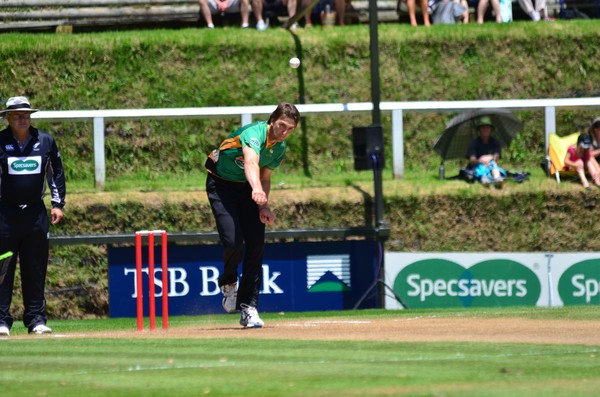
(557, 151)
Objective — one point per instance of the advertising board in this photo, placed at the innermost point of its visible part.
(434, 280)
(302, 276)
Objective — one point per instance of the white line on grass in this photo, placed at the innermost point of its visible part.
(419, 358)
(164, 367)
(316, 323)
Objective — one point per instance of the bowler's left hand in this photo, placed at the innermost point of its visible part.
(266, 216)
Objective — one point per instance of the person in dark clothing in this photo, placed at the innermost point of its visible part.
(483, 154)
(29, 159)
(319, 10)
(238, 183)
(594, 132)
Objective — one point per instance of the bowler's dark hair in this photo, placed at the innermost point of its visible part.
(285, 110)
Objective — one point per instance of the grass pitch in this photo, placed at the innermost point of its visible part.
(66, 364)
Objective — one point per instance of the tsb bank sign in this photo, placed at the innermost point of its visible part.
(295, 277)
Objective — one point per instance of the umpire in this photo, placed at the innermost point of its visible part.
(29, 158)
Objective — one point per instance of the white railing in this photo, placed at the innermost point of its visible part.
(247, 113)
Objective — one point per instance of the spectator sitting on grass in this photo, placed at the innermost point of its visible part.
(595, 135)
(579, 158)
(483, 154)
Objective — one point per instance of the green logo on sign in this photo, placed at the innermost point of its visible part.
(27, 165)
(580, 283)
(443, 283)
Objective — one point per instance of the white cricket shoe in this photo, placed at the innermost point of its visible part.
(4, 331)
(41, 329)
(250, 318)
(229, 297)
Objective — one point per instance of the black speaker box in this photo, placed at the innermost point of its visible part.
(368, 148)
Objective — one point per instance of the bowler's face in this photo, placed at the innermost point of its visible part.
(281, 129)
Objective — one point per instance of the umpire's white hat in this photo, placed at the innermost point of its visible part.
(17, 104)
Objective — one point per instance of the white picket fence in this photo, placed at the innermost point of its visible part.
(248, 113)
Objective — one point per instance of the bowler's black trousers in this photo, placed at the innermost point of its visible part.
(24, 231)
(242, 234)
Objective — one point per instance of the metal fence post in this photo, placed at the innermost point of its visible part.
(550, 123)
(398, 143)
(99, 161)
(246, 118)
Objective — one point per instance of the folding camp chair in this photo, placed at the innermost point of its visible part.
(557, 151)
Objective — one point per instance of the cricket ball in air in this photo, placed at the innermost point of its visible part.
(294, 62)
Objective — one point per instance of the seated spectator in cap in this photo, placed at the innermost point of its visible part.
(338, 7)
(595, 135)
(579, 159)
(212, 7)
(483, 154)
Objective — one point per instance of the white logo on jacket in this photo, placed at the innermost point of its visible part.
(25, 165)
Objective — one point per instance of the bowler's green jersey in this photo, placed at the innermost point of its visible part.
(229, 157)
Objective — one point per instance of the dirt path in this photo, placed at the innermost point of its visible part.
(416, 329)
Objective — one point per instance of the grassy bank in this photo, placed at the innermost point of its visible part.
(466, 218)
(154, 168)
(225, 67)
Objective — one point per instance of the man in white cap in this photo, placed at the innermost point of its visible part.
(29, 158)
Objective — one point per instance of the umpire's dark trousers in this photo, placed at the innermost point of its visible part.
(242, 234)
(24, 231)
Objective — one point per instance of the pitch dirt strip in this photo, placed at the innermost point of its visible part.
(416, 329)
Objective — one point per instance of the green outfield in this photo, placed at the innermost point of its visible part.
(75, 361)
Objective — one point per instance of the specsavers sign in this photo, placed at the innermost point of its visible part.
(579, 281)
(434, 280)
